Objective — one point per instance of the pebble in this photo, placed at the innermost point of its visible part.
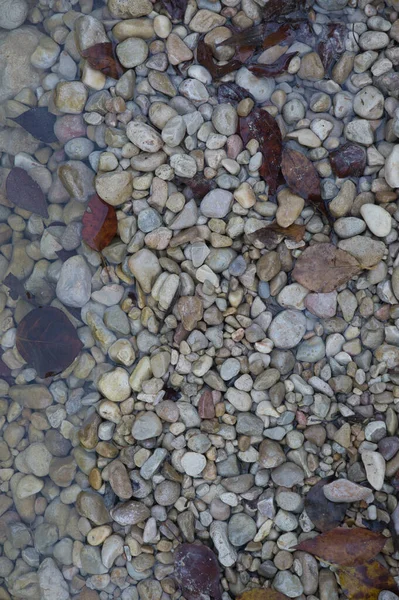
(378, 220)
(374, 464)
(391, 169)
(193, 463)
(287, 329)
(216, 204)
(146, 426)
(74, 283)
(343, 490)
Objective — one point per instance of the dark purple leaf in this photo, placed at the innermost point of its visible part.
(39, 122)
(278, 67)
(176, 8)
(25, 193)
(231, 93)
(205, 58)
(197, 571)
(348, 160)
(47, 340)
(324, 514)
(197, 187)
(275, 9)
(171, 393)
(102, 57)
(261, 126)
(4, 370)
(15, 286)
(65, 254)
(332, 44)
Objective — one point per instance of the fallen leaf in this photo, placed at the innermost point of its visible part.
(365, 582)
(15, 286)
(197, 571)
(102, 57)
(324, 267)
(348, 160)
(47, 340)
(276, 68)
(261, 126)
(4, 370)
(231, 93)
(303, 179)
(272, 234)
(99, 224)
(176, 8)
(324, 514)
(39, 122)
(198, 186)
(24, 192)
(205, 58)
(277, 8)
(332, 44)
(262, 594)
(263, 36)
(345, 547)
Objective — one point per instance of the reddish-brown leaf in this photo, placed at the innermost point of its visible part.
(39, 122)
(262, 594)
(278, 67)
(324, 267)
(348, 160)
(47, 340)
(272, 234)
(24, 192)
(324, 514)
(301, 175)
(197, 571)
(102, 57)
(232, 93)
(99, 224)
(365, 582)
(205, 58)
(284, 33)
(347, 547)
(261, 126)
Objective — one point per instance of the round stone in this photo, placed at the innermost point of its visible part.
(369, 103)
(225, 119)
(193, 463)
(115, 385)
(146, 426)
(241, 529)
(132, 52)
(378, 220)
(287, 329)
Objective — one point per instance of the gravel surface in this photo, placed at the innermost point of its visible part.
(213, 390)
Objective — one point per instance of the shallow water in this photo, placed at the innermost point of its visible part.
(175, 369)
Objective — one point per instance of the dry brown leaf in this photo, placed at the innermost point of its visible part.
(272, 234)
(365, 582)
(324, 267)
(347, 547)
(262, 594)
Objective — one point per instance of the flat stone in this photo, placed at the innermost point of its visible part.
(74, 283)
(216, 204)
(51, 582)
(144, 266)
(287, 329)
(323, 306)
(378, 220)
(375, 466)
(130, 513)
(391, 170)
(368, 252)
(241, 529)
(144, 136)
(343, 490)
(146, 426)
(34, 396)
(193, 463)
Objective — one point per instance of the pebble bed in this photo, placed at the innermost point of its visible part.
(212, 391)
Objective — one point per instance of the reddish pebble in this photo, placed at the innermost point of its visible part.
(206, 408)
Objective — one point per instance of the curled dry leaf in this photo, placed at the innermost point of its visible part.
(275, 8)
(262, 594)
(24, 192)
(347, 547)
(102, 57)
(197, 571)
(47, 340)
(99, 224)
(232, 93)
(276, 68)
(348, 160)
(365, 582)
(272, 234)
(332, 44)
(323, 268)
(261, 126)
(39, 122)
(326, 515)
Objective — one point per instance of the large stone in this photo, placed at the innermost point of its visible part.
(145, 267)
(287, 329)
(392, 168)
(74, 283)
(34, 396)
(16, 70)
(52, 584)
